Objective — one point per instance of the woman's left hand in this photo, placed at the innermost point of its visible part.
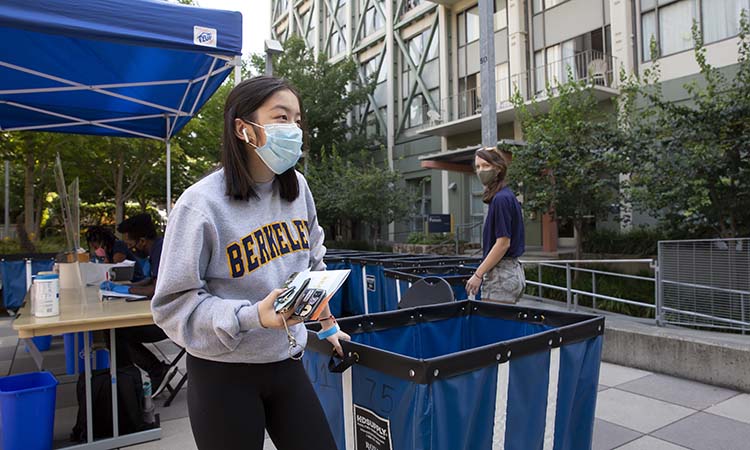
(472, 285)
(334, 340)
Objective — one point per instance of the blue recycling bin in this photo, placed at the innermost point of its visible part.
(456, 276)
(42, 343)
(461, 376)
(99, 358)
(27, 406)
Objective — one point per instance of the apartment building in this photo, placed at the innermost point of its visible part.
(425, 58)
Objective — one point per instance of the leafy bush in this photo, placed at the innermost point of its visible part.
(640, 242)
(430, 238)
(53, 244)
(359, 245)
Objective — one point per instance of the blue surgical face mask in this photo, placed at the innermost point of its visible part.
(283, 146)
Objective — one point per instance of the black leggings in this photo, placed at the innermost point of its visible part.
(231, 404)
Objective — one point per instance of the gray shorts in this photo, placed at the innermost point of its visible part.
(505, 282)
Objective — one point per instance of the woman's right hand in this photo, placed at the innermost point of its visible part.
(269, 318)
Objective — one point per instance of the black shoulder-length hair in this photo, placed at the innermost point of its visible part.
(242, 103)
(493, 156)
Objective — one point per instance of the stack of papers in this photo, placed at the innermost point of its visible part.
(112, 295)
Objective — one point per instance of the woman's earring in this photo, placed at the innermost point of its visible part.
(244, 133)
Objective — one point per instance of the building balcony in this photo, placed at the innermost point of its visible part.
(461, 113)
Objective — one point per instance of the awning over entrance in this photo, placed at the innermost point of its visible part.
(462, 159)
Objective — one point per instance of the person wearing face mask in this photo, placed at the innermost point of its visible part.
(500, 274)
(110, 250)
(232, 240)
(139, 234)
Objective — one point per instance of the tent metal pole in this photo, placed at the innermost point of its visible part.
(169, 177)
(169, 167)
(6, 228)
(237, 69)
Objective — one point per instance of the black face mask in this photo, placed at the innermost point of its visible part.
(139, 253)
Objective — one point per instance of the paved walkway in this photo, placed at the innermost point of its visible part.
(636, 409)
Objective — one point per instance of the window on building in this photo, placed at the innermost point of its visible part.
(375, 70)
(582, 57)
(422, 205)
(476, 208)
(501, 14)
(418, 43)
(675, 22)
(721, 18)
(409, 5)
(472, 24)
(502, 89)
(537, 6)
(669, 23)
(417, 111)
(469, 98)
(540, 5)
(281, 8)
(373, 20)
(539, 79)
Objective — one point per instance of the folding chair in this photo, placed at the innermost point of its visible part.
(173, 391)
(427, 291)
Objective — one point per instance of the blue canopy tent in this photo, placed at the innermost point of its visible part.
(130, 68)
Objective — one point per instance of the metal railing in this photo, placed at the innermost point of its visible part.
(466, 227)
(681, 294)
(590, 66)
(705, 283)
(573, 294)
(468, 102)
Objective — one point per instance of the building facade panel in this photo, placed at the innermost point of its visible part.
(424, 56)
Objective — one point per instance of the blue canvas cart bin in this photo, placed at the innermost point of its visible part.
(380, 292)
(348, 300)
(456, 276)
(456, 271)
(461, 376)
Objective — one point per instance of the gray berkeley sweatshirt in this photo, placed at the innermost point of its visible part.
(221, 257)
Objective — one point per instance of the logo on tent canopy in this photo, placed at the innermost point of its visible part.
(204, 36)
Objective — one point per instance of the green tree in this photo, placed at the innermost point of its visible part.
(690, 160)
(348, 194)
(328, 91)
(32, 156)
(570, 165)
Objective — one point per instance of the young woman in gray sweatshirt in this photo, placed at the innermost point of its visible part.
(231, 241)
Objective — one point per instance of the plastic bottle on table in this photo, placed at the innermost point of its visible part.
(148, 404)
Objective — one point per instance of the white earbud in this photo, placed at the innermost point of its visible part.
(244, 133)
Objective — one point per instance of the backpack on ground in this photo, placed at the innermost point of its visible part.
(129, 403)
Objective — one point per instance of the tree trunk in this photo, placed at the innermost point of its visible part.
(28, 196)
(26, 245)
(578, 225)
(119, 200)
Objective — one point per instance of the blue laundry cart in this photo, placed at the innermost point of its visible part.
(456, 276)
(461, 376)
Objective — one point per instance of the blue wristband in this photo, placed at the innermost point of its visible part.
(329, 332)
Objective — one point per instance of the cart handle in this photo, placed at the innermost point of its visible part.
(346, 362)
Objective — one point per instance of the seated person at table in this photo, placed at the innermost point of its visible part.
(139, 233)
(110, 250)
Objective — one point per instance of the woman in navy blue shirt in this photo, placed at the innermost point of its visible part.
(500, 274)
